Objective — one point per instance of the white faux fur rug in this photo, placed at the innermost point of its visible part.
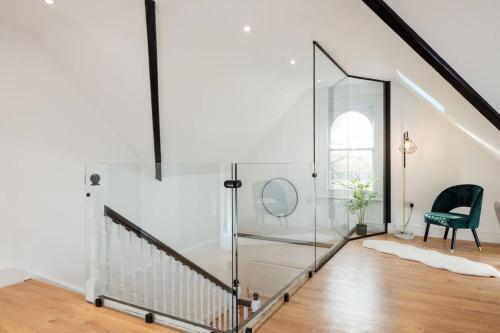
(433, 258)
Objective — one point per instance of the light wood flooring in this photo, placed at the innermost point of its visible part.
(362, 290)
(33, 306)
(359, 290)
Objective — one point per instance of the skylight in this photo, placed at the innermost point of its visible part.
(415, 87)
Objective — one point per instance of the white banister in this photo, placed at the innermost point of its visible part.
(95, 225)
(144, 273)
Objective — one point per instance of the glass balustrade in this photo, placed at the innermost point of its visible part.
(213, 247)
(163, 248)
(209, 246)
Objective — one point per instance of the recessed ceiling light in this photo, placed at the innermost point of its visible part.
(319, 81)
(292, 62)
(49, 2)
(247, 28)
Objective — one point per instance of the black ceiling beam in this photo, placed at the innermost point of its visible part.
(153, 82)
(396, 23)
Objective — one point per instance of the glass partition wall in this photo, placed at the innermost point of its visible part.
(276, 231)
(331, 218)
(351, 117)
(213, 247)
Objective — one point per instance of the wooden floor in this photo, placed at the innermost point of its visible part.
(33, 306)
(362, 290)
(359, 290)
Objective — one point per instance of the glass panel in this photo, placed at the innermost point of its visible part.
(364, 119)
(275, 227)
(330, 93)
(163, 245)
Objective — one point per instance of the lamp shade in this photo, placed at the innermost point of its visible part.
(407, 146)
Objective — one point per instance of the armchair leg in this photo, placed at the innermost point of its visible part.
(426, 231)
(446, 233)
(476, 239)
(453, 240)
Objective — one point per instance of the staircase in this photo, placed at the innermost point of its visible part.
(132, 271)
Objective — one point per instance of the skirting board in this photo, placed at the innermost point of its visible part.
(438, 232)
(9, 276)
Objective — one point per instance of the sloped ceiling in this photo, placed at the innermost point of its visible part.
(222, 89)
(463, 32)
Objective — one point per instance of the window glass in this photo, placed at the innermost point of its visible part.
(351, 149)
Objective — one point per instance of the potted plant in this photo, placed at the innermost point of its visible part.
(361, 198)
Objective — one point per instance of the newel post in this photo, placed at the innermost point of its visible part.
(95, 223)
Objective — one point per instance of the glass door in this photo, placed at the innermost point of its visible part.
(350, 156)
(331, 218)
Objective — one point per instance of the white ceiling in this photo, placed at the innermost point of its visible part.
(229, 84)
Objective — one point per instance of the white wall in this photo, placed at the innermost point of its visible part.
(48, 131)
(445, 156)
(225, 96)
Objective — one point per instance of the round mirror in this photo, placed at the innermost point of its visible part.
(279, 197)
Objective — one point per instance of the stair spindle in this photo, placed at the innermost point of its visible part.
(209, 285)
(226, 312)
(219, 309)
(214, 309)
(181, 285)
(133, 289)
(108, 228)
(188, 287)
(144, 274)
(195, 297)
(163, 281)
(154, 277)
(245, 313)
(172, 281)
(202, 288)
(123, 248)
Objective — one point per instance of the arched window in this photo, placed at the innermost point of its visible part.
(351, 149)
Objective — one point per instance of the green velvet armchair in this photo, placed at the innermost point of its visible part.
(451, 198)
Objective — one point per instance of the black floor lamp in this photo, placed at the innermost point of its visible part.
(406, 147)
